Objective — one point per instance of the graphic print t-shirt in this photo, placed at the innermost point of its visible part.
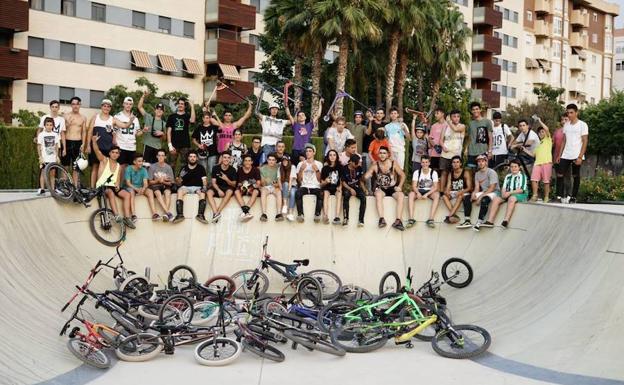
(126, 137)
(425, 181)
(333, 173)
(208, 136)
(478, 132)
(49, 142)
(179, 130)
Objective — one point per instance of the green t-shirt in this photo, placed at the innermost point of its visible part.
(358, 131)
(154, 125)
(268, 175)
(478, 132)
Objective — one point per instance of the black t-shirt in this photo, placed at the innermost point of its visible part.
(179, 130)
(333, 173)
(192, 176)
(208, 136)
(255, 156)
(352, 177)
(369, 138)
(217, 172)
(248, 179)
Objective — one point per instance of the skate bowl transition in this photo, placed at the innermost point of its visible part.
(548, 289)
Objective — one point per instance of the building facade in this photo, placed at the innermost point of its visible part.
(618, 60)
(13, 60)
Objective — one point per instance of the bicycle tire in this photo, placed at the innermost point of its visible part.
(273, 306)
(176, 310)
(263, 350)
(451, 267)
(363, 338)
(227, 282)
(314, 342)
(441, 345)
(328, 314)
(330, 282)
(64, 188)
(204, 313)
(387, 281)
(217, 351)
(149, 311)
(139, 347)
(309, 292)
(182, 281)
(136, 286)
(245, 288)
(95, 225)
(88, 354)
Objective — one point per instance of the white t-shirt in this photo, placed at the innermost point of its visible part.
(309, 179)
(499, 137)
(126, 137)
(50, 142)
(395, 131)
(425, 181)
(339, 138)
(59, 123)
(272, 130)
(532, 137)
(574, 142)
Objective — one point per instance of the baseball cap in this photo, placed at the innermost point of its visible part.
(273, 105)
(358, 112)
(106, 101)
(420, 127)
(310, 145)
(160, 106)
(128, 99)
(482, 156)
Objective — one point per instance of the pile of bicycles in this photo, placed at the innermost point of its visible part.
(226, 315)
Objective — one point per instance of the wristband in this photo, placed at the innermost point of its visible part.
(170, 146)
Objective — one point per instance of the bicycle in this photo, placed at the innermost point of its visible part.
(329, 282)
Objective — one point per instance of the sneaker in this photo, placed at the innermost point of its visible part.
(336, 221)
(410, 223)
(300, 218)
(464, 225)
(398, 225)
(505, 224)
(477, 226)
(155, 217)
(325, 219)
(487, 224)
(165, 217)
(279, 217)
(454, 218)
(345, 222)
(361, 224)
(178, 218)
(546, 199)
(215, 217)
(572, 200)
(565, 200)
(290, 217)
(118, 218)
(134, 218)
(247, 217)
(430, 223)
(201, 218)
(317, 218)
(169, 216)
(128, 222)
(534, 198)
(447, 219)
(382, 223)
(263, 218)
(284, 210)
(40, 191)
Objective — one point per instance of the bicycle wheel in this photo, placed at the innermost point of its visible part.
(313, 341)
(245, 280)
(273, 306)
(204, 313)
(309, 292)
(217, 351)
(136, 286)
(330, 282)
(59, 182)
(139, 347)
(218, 282)
(88, 353)
(176, 310)
(181, 277)
(358, 337)
(390, 283)
(104, 227)
(407, 314)
(457, 273)
(263, 350)
(461, 341)
(330, 313)
(149, 311)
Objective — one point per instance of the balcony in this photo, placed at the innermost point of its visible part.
(542, 28)
(487, 43)
(13, 63)
(485, 70)
(230, 12)
(580, 18)
(576, 85)
(541, 77)
(576, 64)
(578, 41)
(13, 15)
(543, 6)
(541, 52)
(489, 97)
(225, 47)
(226, 96)
(487, 16)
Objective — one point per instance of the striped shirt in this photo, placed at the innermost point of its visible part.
(514, 182)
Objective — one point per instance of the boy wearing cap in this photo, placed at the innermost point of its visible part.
(154, 127)
(420, 144)
(272, 129)
(178, 139)
(126, 137)
(486, 189)
(353, 185)
(309, 178)
(302, 131)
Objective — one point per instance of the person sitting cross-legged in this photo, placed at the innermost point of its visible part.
(192, 180)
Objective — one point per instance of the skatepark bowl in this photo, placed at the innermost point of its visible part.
(548, 289)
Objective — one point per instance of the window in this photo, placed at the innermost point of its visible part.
(557, 26)
(594, 59)
(256, 3)
(556, 47)
(505, 14)
(68, 7)
(164, 24)
(138, 19)
(34, 93)
(618, 67)
(461, 2)
(189, 29)
(95, 98)
(35, 46)
(255, 40)
(98, 12)
(559, 5)
(98, 56)
(595, 17)
(38, 5)
(594, 38)
(66, 94)
(564, 54)
(68, 51)
(529, 16)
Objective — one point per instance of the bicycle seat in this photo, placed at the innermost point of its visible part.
(304, 262)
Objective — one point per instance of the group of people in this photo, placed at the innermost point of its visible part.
(450, 162)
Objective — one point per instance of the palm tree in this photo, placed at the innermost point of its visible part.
(418, 47)
(346, 23)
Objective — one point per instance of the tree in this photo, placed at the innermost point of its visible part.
(27, 118)
(547, 110)
(606, 125)
(548, 93)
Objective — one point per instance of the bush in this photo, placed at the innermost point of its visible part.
(602, 187)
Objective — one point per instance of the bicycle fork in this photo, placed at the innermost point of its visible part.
(408, 336)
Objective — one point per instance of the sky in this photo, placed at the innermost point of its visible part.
(619, 21)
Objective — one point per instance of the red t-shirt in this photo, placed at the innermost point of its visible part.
(373, 149)
(557, 142)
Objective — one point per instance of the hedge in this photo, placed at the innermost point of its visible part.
(19, 166)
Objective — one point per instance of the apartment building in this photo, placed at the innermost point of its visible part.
(618, 60)
(13, 60)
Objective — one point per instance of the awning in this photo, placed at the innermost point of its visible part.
(582, 55)
(167, 63)
(192, 66)
(141, 59)
(229, 72)
(531, 63)
(544, 64)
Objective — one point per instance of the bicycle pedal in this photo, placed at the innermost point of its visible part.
(409, 345)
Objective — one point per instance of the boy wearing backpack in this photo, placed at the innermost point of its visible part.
(424, 186)
(502, 138)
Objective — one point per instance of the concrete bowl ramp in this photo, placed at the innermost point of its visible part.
(549, 290)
